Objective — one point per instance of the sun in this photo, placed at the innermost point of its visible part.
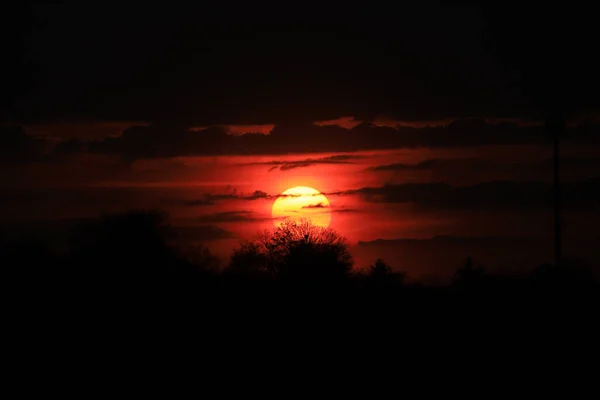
(302, 202)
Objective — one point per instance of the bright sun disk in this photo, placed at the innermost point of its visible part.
(302, 202)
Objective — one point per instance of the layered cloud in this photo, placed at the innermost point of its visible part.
(344, 122)
(210, 199)
(458, 164)
(174, 140)
(16, 146)
(238, 130)
(498, 195)
(170, 141)
(317, 205)
(491, 196)
(309, 162)
(473, 170)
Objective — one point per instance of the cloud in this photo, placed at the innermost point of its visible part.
(344, 122)
(17, 146)
(493, 195)
(233, 216)
(82, 130)
(157, 141)
(382, 120)
(238, 130)
(209, 199)
(288, 165)
(472, 170)
(329, 208)
(197, 202)
(488, 195)
(170, 140)
(450, 165)
(69, 147)
(318, 205)
(257, 194)
(423, 165)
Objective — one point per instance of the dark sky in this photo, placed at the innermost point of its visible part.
(234, 64)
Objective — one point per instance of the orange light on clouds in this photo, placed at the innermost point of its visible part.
(344, 122)
(238, 130)
(382, 120)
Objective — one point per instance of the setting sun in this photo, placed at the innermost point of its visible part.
(302, 202)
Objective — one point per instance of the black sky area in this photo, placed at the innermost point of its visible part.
(202, 65)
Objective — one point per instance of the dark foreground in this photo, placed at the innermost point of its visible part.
(230, 333)
(123, 296)
(248, 305)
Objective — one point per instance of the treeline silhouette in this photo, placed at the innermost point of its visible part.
(127, 282)
(136, 256)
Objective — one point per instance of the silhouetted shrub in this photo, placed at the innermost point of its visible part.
(570, 274)
(296, 250)
(380, 276)
(199, 258)
(469, 276)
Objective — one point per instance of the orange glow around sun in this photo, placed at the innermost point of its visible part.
(302, 202)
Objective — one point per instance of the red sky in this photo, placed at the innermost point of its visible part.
(214, 199)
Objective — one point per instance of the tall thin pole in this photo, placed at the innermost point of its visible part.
(555, 127)
(557, 205)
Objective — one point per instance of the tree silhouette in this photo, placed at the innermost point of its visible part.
(469, 275)
(135, 245)
(570, 274)
(251, 259)
(380, 274)
(132, 258)
(379, 270)
(297, 250)
(199, 257)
